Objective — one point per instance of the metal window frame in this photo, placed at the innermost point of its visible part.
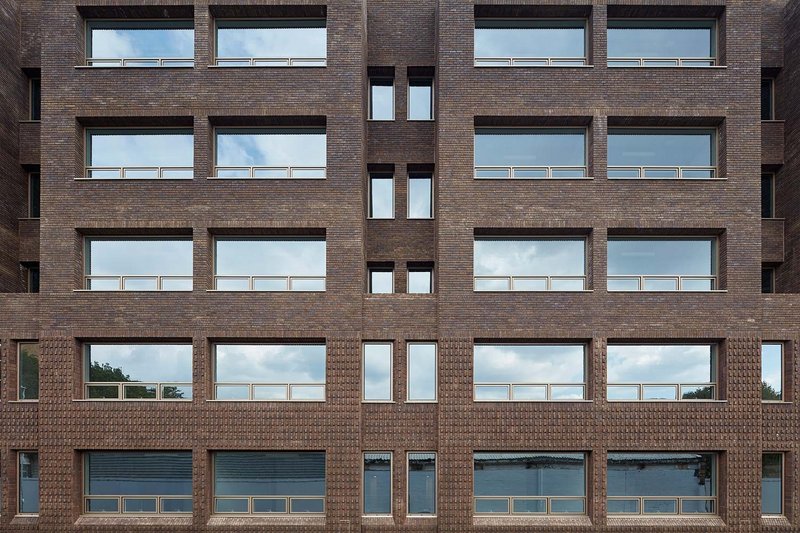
(771, 270)
(435, 371)
(380, 176)
(429, 270)
(391, 484)
(435, 454)
(252, 60)
(783, 345)
(419, 176)
(364, 399)
(371, 270)
(773, 183)
(369, 96)
(20, 344)
(29, 275)
(715, 41)
(30, 195)
(19, 481)
(513, 60)
(782, 455)
(433, 97)
(88, 23)
(31, 99)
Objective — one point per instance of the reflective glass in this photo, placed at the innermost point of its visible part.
(269, 474)
(422, 483)
(377, 372)
(772, 484)
(529, 474)
(131, 148)
(654, 257)
(377, 483)
(767, 195)
(381, 99)
(520, 38)
(503, 257)
(420, 99)
(148, 363)
(530, 147)
(772, 371)
(420, 281)
(422, 372)
(273, 38)
(661, 38)
(28, 371)
(381, 196)
(767, 110)
(28, 482)
(138, 473)
(117, 39)
(381, 281)
(639, 147)
(275, 364)
(420, 196)
(671, 364)
(277, 256)
(119, 256)
(271, 147)
(35, 99)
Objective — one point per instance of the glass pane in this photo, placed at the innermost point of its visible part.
(529, 474)
(419, 281)
(420, 99)
(660, 506)
(139, 505)
(308, 392)
(492, 393)
(697, 392)
(654, 257)
(420, 202)
(238, 284)
(660, 363)
(422, 483)
(561, 392)
(521, 393)
(567, 285)
(650, 392)
(278, 256)
(270, 363)
(28, 371)
(183, 505)
(34, 195)
(269, 505)
(377, 483)
(232, 505)
(422, 381)
(232, 392)
(529, 284)
(624, 173)
(275, 38)
(766, 99)
(619, 392)
(567, 506)
(271, 147)
(139, 362)
(623, 284)
(767, 196)
(697, 506)
(529, 363)
(491, 505)
(658, 38)
(501, 38)
(28, 482)
(140, 148)
(697, 285)
(98, 505)
(140, 39)
(271, 284)
(661, 474)
(377, 372)
(661, 148)
(138, 473)
(311, 285)
(271, 392)
(530, 173)
(168, 284)
(697, 174)
(772, 483)
(139, 284)
(269, 474)
(141, 392)
(529, 257)
(103, 392)
(306, 505)
(530, 147)
(381, 99)
(622, 506)
(381, 281)
(381, 197)
(179, 392)
(530, 506)
(492, 284)
(493, 173)
(138, 256)
(772, 371)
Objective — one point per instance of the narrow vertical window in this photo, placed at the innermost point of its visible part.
(767, 195)
(381, 280)
(378, 483)
(33, 195)
(420, 196)
(28, 371)
(35, 99)
(28, 483)
(772, 372)
(32, 277)
(767, 280)
(420, 99)
(381, 196)
(422, 484)
(422, 372)
(420, 280)
(772, 484)
(381, 99)
(377, 372)
(767, 99)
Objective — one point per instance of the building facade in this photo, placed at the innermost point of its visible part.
(433, 265)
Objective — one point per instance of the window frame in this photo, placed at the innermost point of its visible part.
(435, 370)
(408, 486)
(32, 278)
(161, 62)
(34, 104)
(715, 43)
(769, 271)
(512, 61)
(19, 481)
(309, 61)
(773, 182)
(380, 176)
(771, 81)
(782, 456)
(419, 176)
(375, 269)
(19, 345)
(364, 514)
(31, 196)
(784, 351)
(408, 103)
(429, 270)
(391, 371)
(369, 96)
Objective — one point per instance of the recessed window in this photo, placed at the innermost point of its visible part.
(662, 153)
(137, 483)
(377, 483)
(772, 484)
(420, 99)
(381, 280)
(767, 280)
(529, 483)
(34, 195)
(270, 153)
(767, 99)
(661, 372)
(278, 42)
(529, 372)
(270, 372)
(138, 264)
(28, 483)
(422, 372)
(140, 43)
(421, 495)
(270, 263)
(680, 483)
(117, 153)
(28, 371)
(420, 196)
(35, 96)
(420, 280)
(377, 372)
(530, 153)
(381, 98)
(662, 264)
(31, 277)
(772, 372)
(263, 483)
(381, 196)
(662, 43)
(530, 264)
(137, 371)
(525, 42)
(767, 195)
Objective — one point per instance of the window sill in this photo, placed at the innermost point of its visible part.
(674, 67)
(230, 67)
(129, 291)
(668, 292)
(671, 402)
(423, 402)
(666, 521)
(245, 521)
(531, 401)
(779, 521)
(420, 120)
(133, 179)
(119, 520)
(23, 401)
(377, 520)
(775, 402)
(173, 67)
(531, 521)
(584, 178)
(688, 180)
(218, 178)
(780, 121)
(30, 121)
(252, 292)
(25, 520)
(543, 292)
(266, 401)
(380, 120)
(129, 400)
(378, 402)
(533, 66)
(29, 218)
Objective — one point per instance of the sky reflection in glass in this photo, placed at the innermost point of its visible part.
(271, 147)
(530, 147)
(529, 38)
(110, 39)
(685, 257)
(661, 147)
(275, 38)
(673, 39)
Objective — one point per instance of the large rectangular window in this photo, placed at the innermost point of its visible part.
(421, 494)
(680, 483)
(28, 483)
(530, 153)
(772, 484)
(140, 43)
(662, 264)
(156, 153)
(270, 372)
(28, 371)
(523, 42)
(247, 483)
(140, 483)
(381, 196)
(270, 153)
(767, 195)
(772, 365)
(662, 153)
(137, 371)
(420, 196)
(138, 264)
(661, 372)
(423, 381)
(767, 99)
(277, 42)
(530, 264)
(529, 372)
(420, 99)
(381, 98)
(662, 43)
(377, 372)
(529, 483)
(377, 483)
(269, 263)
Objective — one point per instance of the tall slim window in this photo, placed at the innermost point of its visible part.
(140, 43)
(421, 495)
(662, 264)
(772, 484)
(768, 280)
(270, 153)
(377, 483)
(377, 372)
(255, 483)
(381, 196)
(525, 42)
(666, 372)
(420, 280)
(767, 195)
(32, 276)
(137, 371)
(662, 43)
(28, 483)
(277, 42)
(772, 365)
(662, 153)
(530, 153)
(138, 264)
(420, 99)
(530, 263)
(422, 372)
(270, 263)
(28, 371)
(381, 280)
(381, 99)
(420, 196)
(529, 483)
(767, 99)
(134, 482)
(34, 195)
(35, 96)
(642, 483)
(156, 153)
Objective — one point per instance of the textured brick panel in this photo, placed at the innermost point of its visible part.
(772, 237)
(29, 240)
(772, 142)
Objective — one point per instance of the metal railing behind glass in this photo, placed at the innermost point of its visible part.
(140, 173)
(271, 62)
(529, 283)
(528, 392)
(307, 173)
(138, 283)
(527, 505)
(530, 61)
(140, 62)
(530, 172)
(247, 505)
(270, 392)
(137, 505)
(662, 61)
(663, 172)
(137, 390)
(661, 505)
(669, 392)
(269, 283)
(661, 283)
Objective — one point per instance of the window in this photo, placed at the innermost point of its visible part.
(377, 372)
(270, 372)
(665, 372)
(420, 196)
(525, 483)
(772, 484)
(662, 264)
(140, 43)
(767, 99)
(420, 99)
(137, 371)
(248, 483)
(117, 153)
(270, 263)
(138, 264)
(420, 280)
(31, 277)
(767, 195)
(28, 483)
(378, 483)
(530, 264)
(381, 196)
(530, 153)
(662, 153)
(530, 42)
(270, 153)
(34, 195)
(529, 372)
(772, 372)
(274, 42)
(662, 43)
(133, 482)
(422, 372)
(28, 371)
(662, 483)
(381, 280)
(421, 495)
(35, 96)
(381, 99)
(767, 280)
